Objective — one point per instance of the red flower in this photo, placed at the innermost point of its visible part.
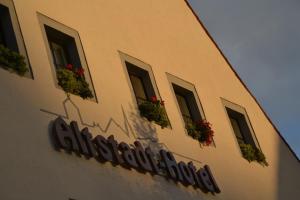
(162, 103)
(69, 66)
(208, 141)
(80, 71)
(153, 99)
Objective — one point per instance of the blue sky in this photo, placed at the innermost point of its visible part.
(261, 39)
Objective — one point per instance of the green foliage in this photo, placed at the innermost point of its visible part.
(67, 80)
(260, 157)
(84, 89)
(12, 61)
(73, 83)
(248, 152)
(154, 111)
(200, 131)
(192, 131)
(251, 153)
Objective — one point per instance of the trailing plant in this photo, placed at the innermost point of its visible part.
(72, 81)
(248, 152)
(154, 110)
(201, 130)
(12, 61)
(260, 157)
(252, 153)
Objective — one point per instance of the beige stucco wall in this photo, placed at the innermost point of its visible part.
(167, 36)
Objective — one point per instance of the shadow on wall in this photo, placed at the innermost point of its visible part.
(146, 131)
(160, 186)
(163, 188)
(288, 174)
(142, 130)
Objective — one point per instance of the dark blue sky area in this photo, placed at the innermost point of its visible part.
(261, 39)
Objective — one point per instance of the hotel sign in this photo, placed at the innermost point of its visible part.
(71, 139)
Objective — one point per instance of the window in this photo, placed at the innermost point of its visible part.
(240, 127)
(141, 83)
(145, 93)
(188, 105)
(63, 48)
(138, 87)
(140, 78)
(244, 133)
(7, 34)
(12, 49)
(197, 127)
(67, 58)
(2, 40)
(59, 55)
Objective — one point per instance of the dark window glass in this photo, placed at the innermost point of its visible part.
(141, 83)
(184, 108)
(2, 36)
(7, 34)
(63, 48)
(240, 127)
(138, 87)
(237, 130)
(187, 104)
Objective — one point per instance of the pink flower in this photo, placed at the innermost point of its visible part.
(69, 66)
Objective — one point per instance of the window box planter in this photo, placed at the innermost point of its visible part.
(154, 111)
(72, 81)
(201, 131)
(251, 153)
(12, 61)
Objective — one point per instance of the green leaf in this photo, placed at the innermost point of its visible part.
(71, 83)
(154, 112)
(12, 61)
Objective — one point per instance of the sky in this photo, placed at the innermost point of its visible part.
(261, 39)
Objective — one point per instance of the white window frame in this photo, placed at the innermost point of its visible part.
(18, 34)
(241, 110)
(45, 20)
(188, 86)
(126, 58)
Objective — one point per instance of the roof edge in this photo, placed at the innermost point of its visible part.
(239, 78)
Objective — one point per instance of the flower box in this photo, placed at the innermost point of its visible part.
(72, 81)
(252, 153)
(201, 131)
(12, 61)
(154, 111)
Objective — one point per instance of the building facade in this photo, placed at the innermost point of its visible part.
(112, 99)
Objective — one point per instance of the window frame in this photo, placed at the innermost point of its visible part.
(9, 4)
(174, 80)
(72, 33)
(241, 111)
(148, 69)
(143, 66)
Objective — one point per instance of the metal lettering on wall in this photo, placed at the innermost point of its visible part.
(70, 138)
